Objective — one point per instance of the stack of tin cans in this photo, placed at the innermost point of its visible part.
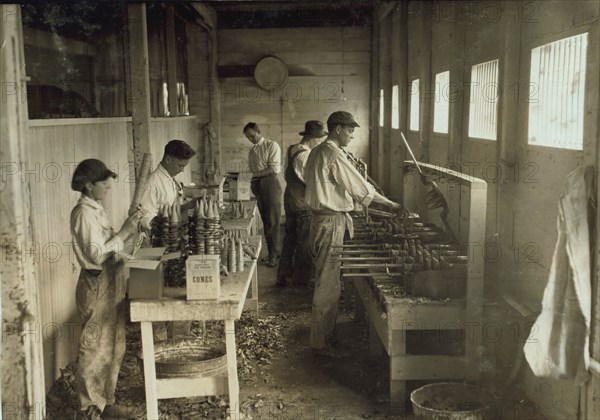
(176, 239)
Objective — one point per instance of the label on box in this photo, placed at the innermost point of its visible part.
(203, 279)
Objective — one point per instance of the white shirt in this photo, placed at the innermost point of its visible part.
(94, 240)
(161, 190)
(264, 154)
(299, 161)
(332, 182)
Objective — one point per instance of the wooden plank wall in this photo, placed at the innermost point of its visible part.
(55, 148)
(316, 59)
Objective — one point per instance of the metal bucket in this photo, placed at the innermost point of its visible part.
(454, 401)
(186, 358)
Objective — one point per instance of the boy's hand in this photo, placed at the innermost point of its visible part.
(131, 224)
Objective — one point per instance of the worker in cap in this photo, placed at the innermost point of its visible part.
(163, 190)
(333, 184)
(100, 291)
(295, 264)
(264, 160)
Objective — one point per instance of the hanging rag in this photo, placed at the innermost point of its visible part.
(558, 345)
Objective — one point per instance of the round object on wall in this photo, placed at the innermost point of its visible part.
(270, 73)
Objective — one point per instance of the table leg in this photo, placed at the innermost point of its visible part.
(397, 384)
(149, 371)
(255, 292)
(232, 376)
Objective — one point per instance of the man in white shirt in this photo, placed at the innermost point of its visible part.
(332, 186)
(100, 291)
(295, 263)
(264, 160)
(163, 189)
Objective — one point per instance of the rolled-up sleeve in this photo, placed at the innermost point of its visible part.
(357, 187)
(149, 205)
(90, 239)
(274, 157)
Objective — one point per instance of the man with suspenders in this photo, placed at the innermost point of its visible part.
(295, 263)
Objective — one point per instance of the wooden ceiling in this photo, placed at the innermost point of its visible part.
(289, 14)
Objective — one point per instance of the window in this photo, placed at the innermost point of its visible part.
(483, 100)
(161, 25)
(75, 58)
(381, 108)
(441, 107)
(414, 105)
(395, 110)
(557, 88)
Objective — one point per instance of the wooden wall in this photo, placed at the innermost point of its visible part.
(524, 182)
(55, 148)
(316, 58)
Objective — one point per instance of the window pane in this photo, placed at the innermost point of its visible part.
(414, 105)
(157, 60)
(483, 100)
(381, 108)
(395, 111)
(441, 108)
(556, 94)
(75, 59)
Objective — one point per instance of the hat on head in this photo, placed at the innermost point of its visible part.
(179, 149)
(313, 128)
(90, 170)
(342, 117)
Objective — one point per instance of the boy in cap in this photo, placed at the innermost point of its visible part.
(163, 189)
(295, 263)
(332, 186)
(100, 291)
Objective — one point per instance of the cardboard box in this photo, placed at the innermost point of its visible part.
(196, 191)
(146, 273)
(203, 277)
(239, 186)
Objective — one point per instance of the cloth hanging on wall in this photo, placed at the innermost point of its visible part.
(558, 345)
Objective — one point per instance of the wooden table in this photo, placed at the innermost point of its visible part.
(228, 308)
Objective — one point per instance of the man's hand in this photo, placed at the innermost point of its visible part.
(396, 206)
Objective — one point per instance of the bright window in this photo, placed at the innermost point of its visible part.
(556, 93)
(414, 105)
(381, 108)
(441, 108)
(395, 111)
(483, 100)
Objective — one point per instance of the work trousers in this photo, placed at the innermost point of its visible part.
(100, 301)
(295, 263)
(326, 238)
(269, 194)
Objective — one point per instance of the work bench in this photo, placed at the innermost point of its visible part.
(391, 315)
(228, 308)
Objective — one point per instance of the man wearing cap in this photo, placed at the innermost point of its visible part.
(264, 160)
(295, 262)
(100, 291)
(332, 183)
(163, 189)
